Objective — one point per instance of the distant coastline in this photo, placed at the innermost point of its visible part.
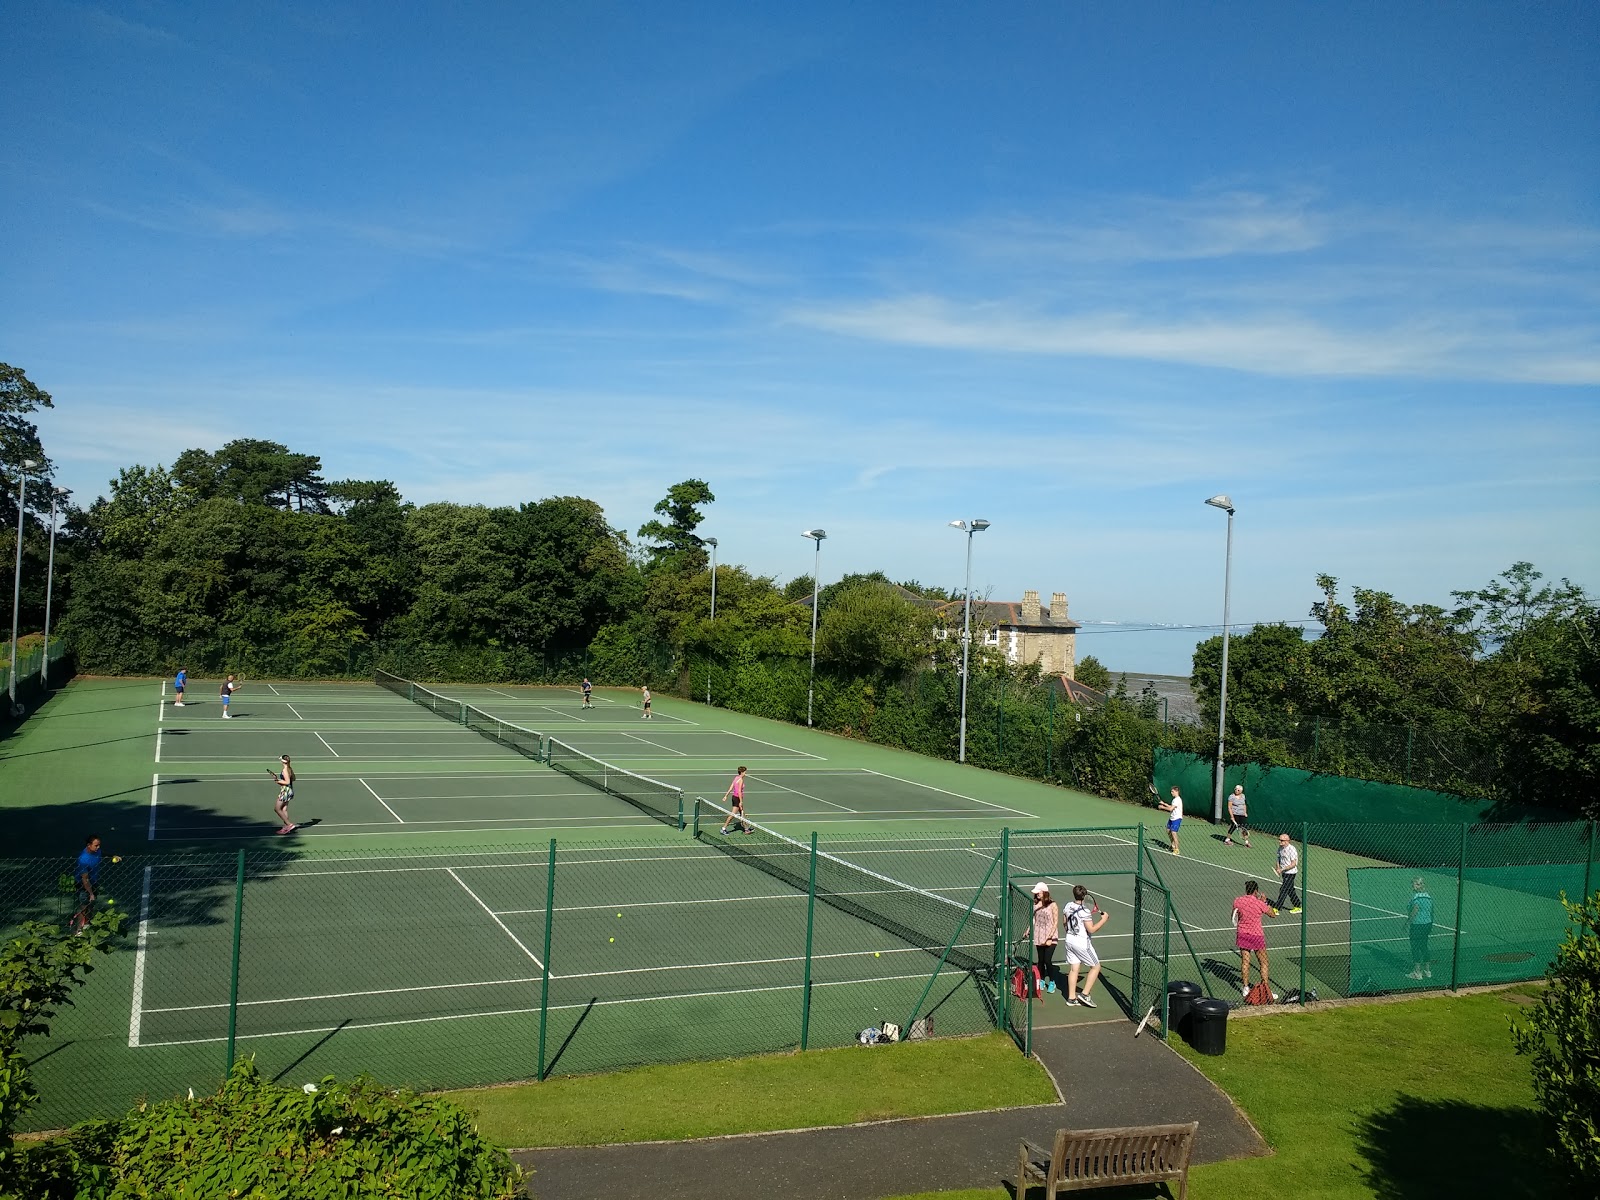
(1151, 647)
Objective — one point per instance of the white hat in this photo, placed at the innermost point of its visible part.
(1041, 888)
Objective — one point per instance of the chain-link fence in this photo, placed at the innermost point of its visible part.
(441, 969)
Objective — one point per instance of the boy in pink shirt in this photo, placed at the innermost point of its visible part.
(1248, 910)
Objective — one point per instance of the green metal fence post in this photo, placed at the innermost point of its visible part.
(233, 988)
(1138, 853)
(1461, 883)
(1405, 777)
(1305, 902)
(1588, 868)
(544, 967)
(1316, 739)
(1005, 926)
(811, 926)
(1166, 957)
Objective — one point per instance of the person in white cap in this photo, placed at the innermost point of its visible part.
(1046, 929)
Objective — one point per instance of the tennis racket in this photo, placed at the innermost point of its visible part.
(1140, 1028)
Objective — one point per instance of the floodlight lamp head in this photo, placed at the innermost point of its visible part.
(979, 525)
(712, 542)
(1222, 501)
(29, 464)
(962, 525)
(816, 535)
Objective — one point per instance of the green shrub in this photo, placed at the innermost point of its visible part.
(256, 1140)
(1562, 1037)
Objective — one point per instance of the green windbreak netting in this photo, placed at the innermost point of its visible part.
(1419, 929)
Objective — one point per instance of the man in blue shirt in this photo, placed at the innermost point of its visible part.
(178, 684)
(1419, 921)
(87, 877)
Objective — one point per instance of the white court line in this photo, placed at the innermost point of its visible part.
(804, 795)
(274, 690)
(519, 1012)
(291, 708)
(324, 741)
(136, 1013)
(385, 804)
(161, 713)
(451, 871)
(158, 745)
(657, 745)
(761, 741)
(155, 788)
(957, 795)
(507, 695)
(1307, 891)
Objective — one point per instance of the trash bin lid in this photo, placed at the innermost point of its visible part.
(1182, 987)
(1210, 1007)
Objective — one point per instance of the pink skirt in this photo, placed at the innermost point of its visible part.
(1251, 941)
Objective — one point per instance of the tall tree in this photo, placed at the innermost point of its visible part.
(674, 542)
(252, 471)
(19, 442)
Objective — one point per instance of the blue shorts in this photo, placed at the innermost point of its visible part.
(1172, 826)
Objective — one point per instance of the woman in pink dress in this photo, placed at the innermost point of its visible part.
(1248, 910)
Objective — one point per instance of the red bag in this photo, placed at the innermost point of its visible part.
(1025, 983)
(1260, 994)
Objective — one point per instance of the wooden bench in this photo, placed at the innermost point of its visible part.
(1104, 1158)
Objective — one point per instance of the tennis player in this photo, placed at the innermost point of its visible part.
(87, 877)
(1238, 817)
(1077, 926)
(646, 695)
(1175, 819)
(1419, 924)
(734, 799)
(588, 693)
(284, 778)
(1248, 935)
(229, 687)
(179, 682)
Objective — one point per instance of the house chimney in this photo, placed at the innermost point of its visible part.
(1030, 608)
(1058, 606)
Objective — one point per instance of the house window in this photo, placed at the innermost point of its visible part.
(991, 637)
(940, 633)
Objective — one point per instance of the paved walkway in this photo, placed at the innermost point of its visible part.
(1104, 1075)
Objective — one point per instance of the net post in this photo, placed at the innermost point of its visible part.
(1461, 885)
(1305, 896)
(811, 926)
(544, 972)
(696, 833)
(680, 810)
(233, 983)
(411, 692)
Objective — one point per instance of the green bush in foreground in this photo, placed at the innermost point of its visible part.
(1562, 1038)
(256, 1140)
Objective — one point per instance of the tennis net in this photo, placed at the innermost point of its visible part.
(924, 919)
(444, 706)
(659, 800)
(525, 742)
(400, 687)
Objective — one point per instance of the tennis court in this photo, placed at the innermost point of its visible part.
(444, 968)
(372, 763)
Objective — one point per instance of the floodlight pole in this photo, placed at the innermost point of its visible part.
(56, 495)
(712, 542)
(1226, 504)
(16, 583)
(969, 528)
(817, 536)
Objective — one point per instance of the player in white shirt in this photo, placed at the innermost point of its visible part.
(1175, 817)
(1077, 924)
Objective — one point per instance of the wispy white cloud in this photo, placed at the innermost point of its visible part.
(1287, 346)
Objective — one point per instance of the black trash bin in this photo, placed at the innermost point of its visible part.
(1181, 995)
(1208, 1020)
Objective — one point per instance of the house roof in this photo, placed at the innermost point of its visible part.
(1005, 614)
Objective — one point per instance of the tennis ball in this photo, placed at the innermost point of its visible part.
(611, 939)
(110, 903)
(875, 954)
(619, 915)
(116, 858)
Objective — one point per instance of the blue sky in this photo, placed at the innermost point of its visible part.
(1069, 267)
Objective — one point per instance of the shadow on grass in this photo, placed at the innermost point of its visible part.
(1421, 1149)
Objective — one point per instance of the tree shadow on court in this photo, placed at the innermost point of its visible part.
(1418, 1149)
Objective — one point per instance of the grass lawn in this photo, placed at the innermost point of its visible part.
(753, 1095)
(1406, 1101)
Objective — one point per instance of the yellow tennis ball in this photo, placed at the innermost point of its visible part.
(875, 954)
(619, 914)
(110, 903)
(611, 939)
(116, 858)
